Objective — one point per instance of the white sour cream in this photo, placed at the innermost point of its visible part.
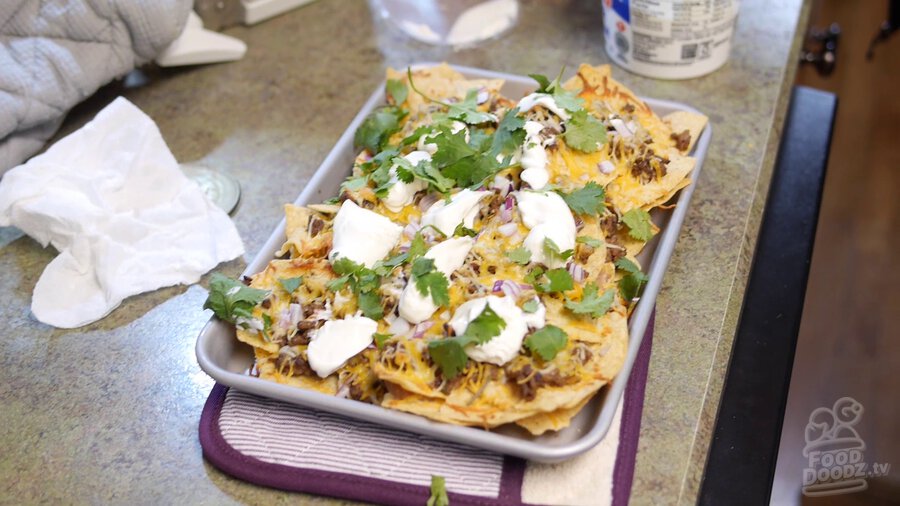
(338, 341)
(463, 208)
(534, 157)
(547, 216)
(401, 194)
(503, 347)
(535, 99)
(362, 236)
(448, 256)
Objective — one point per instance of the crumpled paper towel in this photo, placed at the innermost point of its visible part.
(112, 200)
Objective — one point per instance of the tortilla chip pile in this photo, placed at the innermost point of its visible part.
(641, 164)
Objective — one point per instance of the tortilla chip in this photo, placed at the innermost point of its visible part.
(554, 420)
(694, 123)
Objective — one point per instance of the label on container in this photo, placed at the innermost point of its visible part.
(669, 39)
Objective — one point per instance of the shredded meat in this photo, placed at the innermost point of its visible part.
(628, 108)
(609, 224)
(266, 303)
(682, 140)
(315, 226)
(526, 381)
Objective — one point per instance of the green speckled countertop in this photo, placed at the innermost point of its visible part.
(108, 413)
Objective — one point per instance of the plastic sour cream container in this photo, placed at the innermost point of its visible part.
(669, 39)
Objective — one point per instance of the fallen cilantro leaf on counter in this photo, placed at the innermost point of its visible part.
(590, 302)
(450, 353)
(589, 199)
(230, 299)
(639, 225)
(377, 128)
(520, 255)
(438, 492)
(397, 90)
(630, 285)
(547, 342)
(290, 285)
(584, 132)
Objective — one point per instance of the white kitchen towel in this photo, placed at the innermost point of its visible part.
(113, 201)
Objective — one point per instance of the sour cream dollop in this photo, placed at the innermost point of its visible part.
(448, 256)
(362, 236)
(401, 194)
(534, 157)
(338, 341)
(547, 216)
(535, 99)
(463, 208)
(503, 347)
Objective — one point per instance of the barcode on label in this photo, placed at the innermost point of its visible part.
(689, 51)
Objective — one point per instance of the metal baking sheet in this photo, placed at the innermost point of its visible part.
(227, 360)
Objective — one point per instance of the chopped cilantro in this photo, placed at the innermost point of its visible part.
(463, 231)
(450, 355)
(438, 492)
(363, 281)
(547, 342)
(377, 128)
(558, 280)
(397, 90)
(465, 111)
(589, 199)
(381, 339)
(584, 132)
(355, 183)
(534, 275)
(230, 299)
(552, 250)
(417, 246)
(630, 285)
(510, 134)
(429, 280)
(590, 241)
(564, 98)
(530, 305)
(520, 255)
(639, 224)
(290, 285)
(590, 302)
(267, 325)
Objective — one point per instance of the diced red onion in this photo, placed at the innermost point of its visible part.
(621, 128)
(576, 271)
(482, 96)
(606, 167)
(296, 314)
(508, 229)
(506, 209)
(344, 391)
(427, 200)
(509, 288)
(411, 229)
(422, 328)
(404, 248)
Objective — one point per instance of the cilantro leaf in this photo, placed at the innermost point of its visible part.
(639, 225)
(355, 183)
(467, 110)
(630, 285)
(520, 255)
(429, 280)
(438, 492)
(584, 132)
(552, 250)
(230, 299)
(590, 302)
(590, 241)
(370, 304)
(564, 98)
(589, 199)
(510, 134)
(451, 147)
(534, 275)
(463, 231)
(397, 90)
(558, 280)
(449, 354)
(544, 83)
(290, 285)
(381, 339)
(417, 246)
(547, 342)
(377, 128)
(267, 325)
(531, 306)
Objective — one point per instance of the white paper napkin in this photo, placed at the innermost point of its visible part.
(125, 219)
